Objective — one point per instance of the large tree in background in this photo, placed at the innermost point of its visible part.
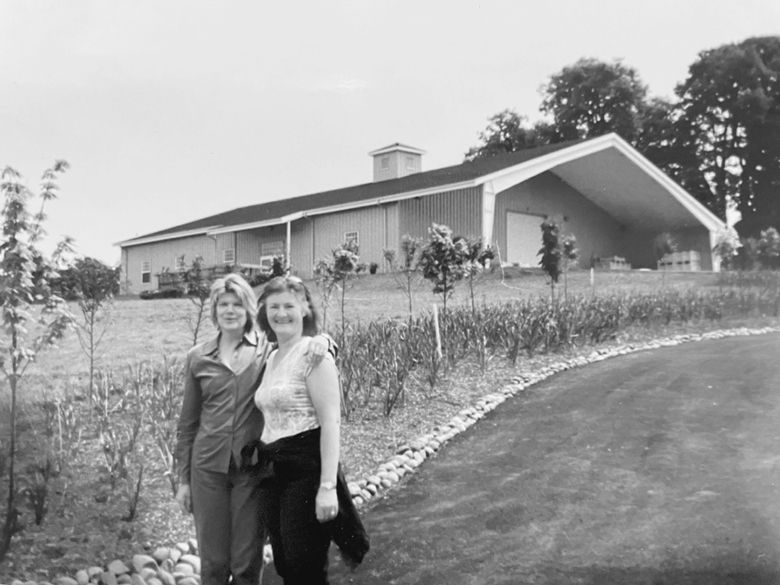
(661, 139)
(720, 139)
(729, 116)
(591, 98)
(508, 131)
(584, 100)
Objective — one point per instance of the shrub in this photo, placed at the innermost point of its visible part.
(441, 260)
(150, 295)
(768, 248)
(558, 251)
(329, 273)
(727, 247)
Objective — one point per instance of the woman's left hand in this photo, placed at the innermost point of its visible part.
(318, 347)
(326, 505)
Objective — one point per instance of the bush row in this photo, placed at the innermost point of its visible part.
(378, 359)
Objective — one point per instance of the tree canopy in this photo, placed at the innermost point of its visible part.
(508, 131)
(729, 109)
(719, 138)
(591, 98)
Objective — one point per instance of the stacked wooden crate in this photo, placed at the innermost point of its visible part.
(611, 263)
(685, 261)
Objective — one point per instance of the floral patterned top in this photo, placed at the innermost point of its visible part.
(283, 397)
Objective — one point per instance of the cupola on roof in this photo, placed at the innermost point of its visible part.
(395, 161)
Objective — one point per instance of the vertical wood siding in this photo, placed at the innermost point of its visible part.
(392, 228)
(225, 242)
(162, 255)
(249, 243)
(301, 247)
(369, 222)
(461, 210)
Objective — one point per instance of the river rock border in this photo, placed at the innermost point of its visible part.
(412, 454)
(180, 565)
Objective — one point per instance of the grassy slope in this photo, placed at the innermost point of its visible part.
(149, 330)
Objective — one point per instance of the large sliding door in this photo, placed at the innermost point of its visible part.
(523, 238)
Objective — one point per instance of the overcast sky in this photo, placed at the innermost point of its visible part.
(169, 111)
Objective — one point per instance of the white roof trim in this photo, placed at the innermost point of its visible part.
(694, 206)
(255, 224)
(161, 237)
(509, 176)
(501, 180)
(523, 171)
(394, 147)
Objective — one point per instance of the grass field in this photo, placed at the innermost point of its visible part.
(142, 330)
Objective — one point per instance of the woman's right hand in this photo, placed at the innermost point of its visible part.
(184, 497)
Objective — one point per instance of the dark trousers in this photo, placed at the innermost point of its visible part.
(300, 543)
(226, 507)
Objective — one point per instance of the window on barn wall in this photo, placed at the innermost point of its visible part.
(268, 250)
(384, 163)
(410, 162)
(178, 263)
(351, 237)
(146, 271)
(228, 256)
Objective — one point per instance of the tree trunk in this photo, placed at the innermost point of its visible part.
(9, 524)
(409, 294)
(343, 319)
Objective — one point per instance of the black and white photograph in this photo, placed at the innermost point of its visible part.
(389, 292)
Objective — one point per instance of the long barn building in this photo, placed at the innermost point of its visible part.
(611, 198)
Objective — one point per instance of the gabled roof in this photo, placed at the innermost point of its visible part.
(275, 210)
(606, 170)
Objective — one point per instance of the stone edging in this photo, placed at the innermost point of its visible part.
(180, 565)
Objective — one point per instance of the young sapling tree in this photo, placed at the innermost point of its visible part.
(405, 269)
(33, 317)
(197, 287)
(93, 286)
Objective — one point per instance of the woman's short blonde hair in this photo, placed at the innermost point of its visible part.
(236, 284)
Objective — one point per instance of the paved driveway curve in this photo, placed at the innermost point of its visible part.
(658, 467)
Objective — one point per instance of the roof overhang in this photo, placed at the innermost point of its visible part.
(170, 236)
(618, 179)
